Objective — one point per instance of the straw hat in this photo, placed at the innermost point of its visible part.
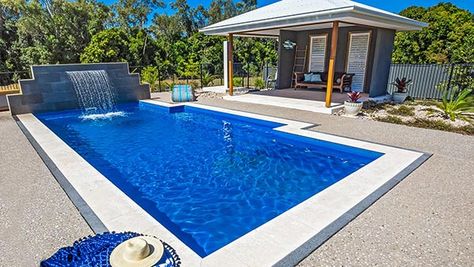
(140, 251)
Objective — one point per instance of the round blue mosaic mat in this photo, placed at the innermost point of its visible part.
(96, 250)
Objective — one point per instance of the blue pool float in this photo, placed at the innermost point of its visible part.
(182, 93)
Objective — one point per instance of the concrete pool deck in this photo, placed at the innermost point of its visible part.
(426, 219)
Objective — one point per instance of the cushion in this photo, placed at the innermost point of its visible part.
(316, 78)
(307, 77)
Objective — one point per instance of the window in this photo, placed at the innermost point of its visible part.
(357, 59)
(317, 53)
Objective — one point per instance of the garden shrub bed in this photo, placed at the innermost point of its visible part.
(417, 113)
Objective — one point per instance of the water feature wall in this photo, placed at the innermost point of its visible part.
(94, 91)
(52, 87)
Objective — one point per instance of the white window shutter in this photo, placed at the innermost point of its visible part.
(317, 55)
(357, 59)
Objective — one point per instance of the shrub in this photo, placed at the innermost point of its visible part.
(402, 84)
(150, 75)
(458, 104)
(403, 110)
(194, 84)
(354, 96)
(390, 119)
(207, 79)
(443, 126)
(168, 85)
(259, 83)
(237, 81)
(429, 124)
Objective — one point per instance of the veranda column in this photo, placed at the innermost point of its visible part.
(225, 53)
(332, 59)
(230, 66)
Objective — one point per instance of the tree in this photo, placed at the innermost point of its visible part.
(208, 51)
(54, 32)
(185, 14)
(9, 15)
(221, 9)
(141, 48)
(448, 38)
(246, 5)
(131, 14)
(254, 53)
(168, 27)
(107, 46)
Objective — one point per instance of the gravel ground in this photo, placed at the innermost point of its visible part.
(425, 220)
(36, 216)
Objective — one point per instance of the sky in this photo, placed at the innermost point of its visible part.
(389, 5)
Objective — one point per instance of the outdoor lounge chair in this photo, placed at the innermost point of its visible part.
(182, 93)
(342, 80)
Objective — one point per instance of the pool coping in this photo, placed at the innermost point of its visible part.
(283, 241)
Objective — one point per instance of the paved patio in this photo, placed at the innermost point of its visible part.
(307, 94)
(428, 219)
(293, 103)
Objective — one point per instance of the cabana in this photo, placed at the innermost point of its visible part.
(331, 37)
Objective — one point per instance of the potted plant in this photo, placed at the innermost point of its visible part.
(401, 94)
(353, 105)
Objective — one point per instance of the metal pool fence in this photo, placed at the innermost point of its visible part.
(431, 80)
(207, 75)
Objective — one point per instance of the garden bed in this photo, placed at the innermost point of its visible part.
(416, 113)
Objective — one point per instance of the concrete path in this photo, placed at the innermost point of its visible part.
(36, 216)
(428, 219)
(292, 103)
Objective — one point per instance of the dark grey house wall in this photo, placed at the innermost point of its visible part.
(379, 52)
(285, 60)
(51, 90)
(382, 61)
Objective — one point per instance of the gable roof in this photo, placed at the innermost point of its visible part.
(293, 13)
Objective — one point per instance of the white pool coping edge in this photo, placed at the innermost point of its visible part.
(283, 241)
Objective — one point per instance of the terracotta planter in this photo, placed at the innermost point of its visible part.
(399, 97)
(352, 108)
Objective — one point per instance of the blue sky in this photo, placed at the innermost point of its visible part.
(389, 5)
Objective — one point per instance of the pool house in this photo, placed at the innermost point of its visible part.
(347, 45)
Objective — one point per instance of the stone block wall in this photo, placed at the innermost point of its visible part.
(3, 102)
(51, 90)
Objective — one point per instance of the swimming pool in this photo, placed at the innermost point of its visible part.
(208, 177)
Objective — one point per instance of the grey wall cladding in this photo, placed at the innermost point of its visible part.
(51, 90)
(378, 61)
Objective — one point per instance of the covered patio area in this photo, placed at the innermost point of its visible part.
(329, 45)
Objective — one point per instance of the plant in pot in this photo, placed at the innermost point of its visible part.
(401, 94)
(353, 105)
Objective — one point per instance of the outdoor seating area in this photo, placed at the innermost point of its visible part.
(319, 80)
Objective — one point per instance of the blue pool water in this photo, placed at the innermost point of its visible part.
(208, 177)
